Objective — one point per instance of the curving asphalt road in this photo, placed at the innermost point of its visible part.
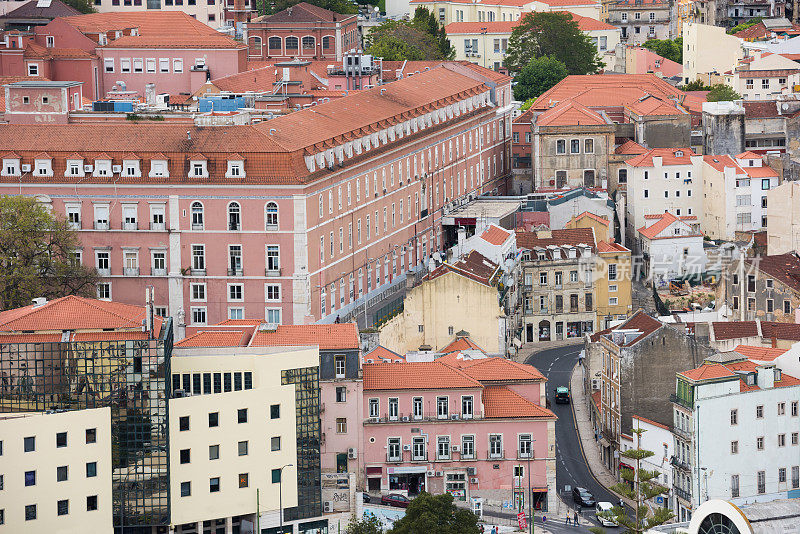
(571, 469)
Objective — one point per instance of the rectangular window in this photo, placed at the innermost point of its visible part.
(467, 447)
(275, 443)
(339, 366)
(91, 503)
(467, 407)
(443, 447)
(441, 407)
(341, 425)
(61, 439)
(374, 408)
(91, 469)
(416, 406)
(213, 485)
(242, 448)
(495, 446)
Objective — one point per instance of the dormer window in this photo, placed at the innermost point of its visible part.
(43, 167)
(158, 168)
(235, 169)
(102, 39)
(74, 167)
(198, 169)
(11, 167)
(51, 41)
(102, 167)
(130, 167)
(679, 153)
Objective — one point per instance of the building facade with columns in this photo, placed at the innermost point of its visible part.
(308, 217)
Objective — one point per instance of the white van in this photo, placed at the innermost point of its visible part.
(601, 510)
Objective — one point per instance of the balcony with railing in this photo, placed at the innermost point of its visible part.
(160, 226)
(130, 271)
(159, 272)
(406, 417)
(496, 455)
(680, 464)
(681, 401)
(394, 458)
(683, 494)
(419, 457)
(683, 433)
(236, 271)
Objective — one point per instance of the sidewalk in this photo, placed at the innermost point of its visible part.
(590, 447)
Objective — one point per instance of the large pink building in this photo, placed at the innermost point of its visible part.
(124, 51)
(297, 219)
(468, 425)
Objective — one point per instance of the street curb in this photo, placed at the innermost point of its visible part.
(580, 441)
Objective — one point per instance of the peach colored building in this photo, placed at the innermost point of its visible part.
(464, 424)
(310, 216)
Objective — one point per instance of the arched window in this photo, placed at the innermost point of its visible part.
(271, 216)
(254, 48)
(234, 216)
(327, 42)
(292, 44)
(308, 42)
(274, 43)
(197, 216)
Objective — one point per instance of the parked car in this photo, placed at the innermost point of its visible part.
(395, 499)
(562, 395)
(602, 512)
(366, 497)
(582, 497)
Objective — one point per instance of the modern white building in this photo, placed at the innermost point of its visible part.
(736, 433)
(735, 192)
(55, 472)
(671, 247)
(663, 179)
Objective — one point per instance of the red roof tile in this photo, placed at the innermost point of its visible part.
(565, 237)
(664, 220)
(771, 329)
(495, 235)
(186, 42)
(605, 90)
(474, 266)
(783, 267)
(338, 336)
(630, 147)
(590, 215)
(415, 375)
(381, 353)
(669, 156)
(764, 354)
(499, 369)
(585, 24)
(302, 13)
(570, 113)
(215, 338)
(639, 321)
(650, 105)
(610, 246)
(734, 329)
(501, 402)
(708, 371)
(462, 343)
(146, 22)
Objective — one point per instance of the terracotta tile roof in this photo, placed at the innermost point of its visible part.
(29, 338)
(461, 343)
(630, 147)
(607, 90)
(415, 375)
(734, 329)
(525, 118)
(664, 220)
(767, 73)
(649, 421)
(639, 321)
(759, 31)
(501, 402)
(263, 79)
(338, 336)
(108, 336)
(775, 330)
(759, 172)
(147, 23)
(610, 246)
(495, 235)
(561, 238)
(590, 215)
(498, 370)
(749, 155)
(240, 322)
(75, 313)
(650, 105)
(708, 371)
(570, 113)
(31, 10)
(302, 13)
(783, 267)
(720, 162)
(669, 156)
(380, 354)
(187, 42)
(474, 266)
(585, 24)
(391, 69)
(215, 338)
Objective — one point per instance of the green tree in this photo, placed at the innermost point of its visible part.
(396, 40)
(553, 34)
(696, 85)
(744, 25)
(369, 524)
(639, 485)
(539, 75)
(84, 6)
(37, 255)
(270, 7)
(425, 21)
(667, 48)
(429, 514)
(720, 92)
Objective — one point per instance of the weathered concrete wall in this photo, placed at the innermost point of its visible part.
(670, 133)
(723, 133)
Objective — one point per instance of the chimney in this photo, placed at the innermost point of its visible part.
(765, 377)
(462, 237)
(38, 302)
(657, 161)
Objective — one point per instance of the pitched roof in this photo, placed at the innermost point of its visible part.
(734, 329)
(302, 13)
(585, 24)
(590, 215)
(639, 321)
(190, 42)
(474, 266)
(498, 369)
(664, 221)
(495, 235)
(415, 375)
(783, 267)
(570, 113)
(32, 10)
(610, 246)
(669, 156)
(461, 343)
(215, 338)
(605, 90)
(651, 105)
(75, 313)
(708, 371)
(168, 23)
(650, 421)
(337, 336)
(630, 147)
(502, 402)
(381, 353)
(566, 237)
(763, 354)
(772, 329)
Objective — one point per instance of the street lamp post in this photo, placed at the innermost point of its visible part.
(280, 494)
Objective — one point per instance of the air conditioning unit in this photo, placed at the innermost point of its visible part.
(474, 480)
(472, 471)
(26, 167)
(431, 473)
(454, 417)
(116, 169)
(88, 168)
(406, 447)
(178, 394)
(595, 383)
(439, 473)
(328, 507)
(405, 418)
(352, 453)
(454, 448)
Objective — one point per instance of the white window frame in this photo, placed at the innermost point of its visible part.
(102, 167)
(272, 311)
(11, 167)
(203, 167)
(43, 167)
(195, 314)
(74, 165)
(235, 169)
(161, 62)
(232, 298)
(275, 290)
(177, 65)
